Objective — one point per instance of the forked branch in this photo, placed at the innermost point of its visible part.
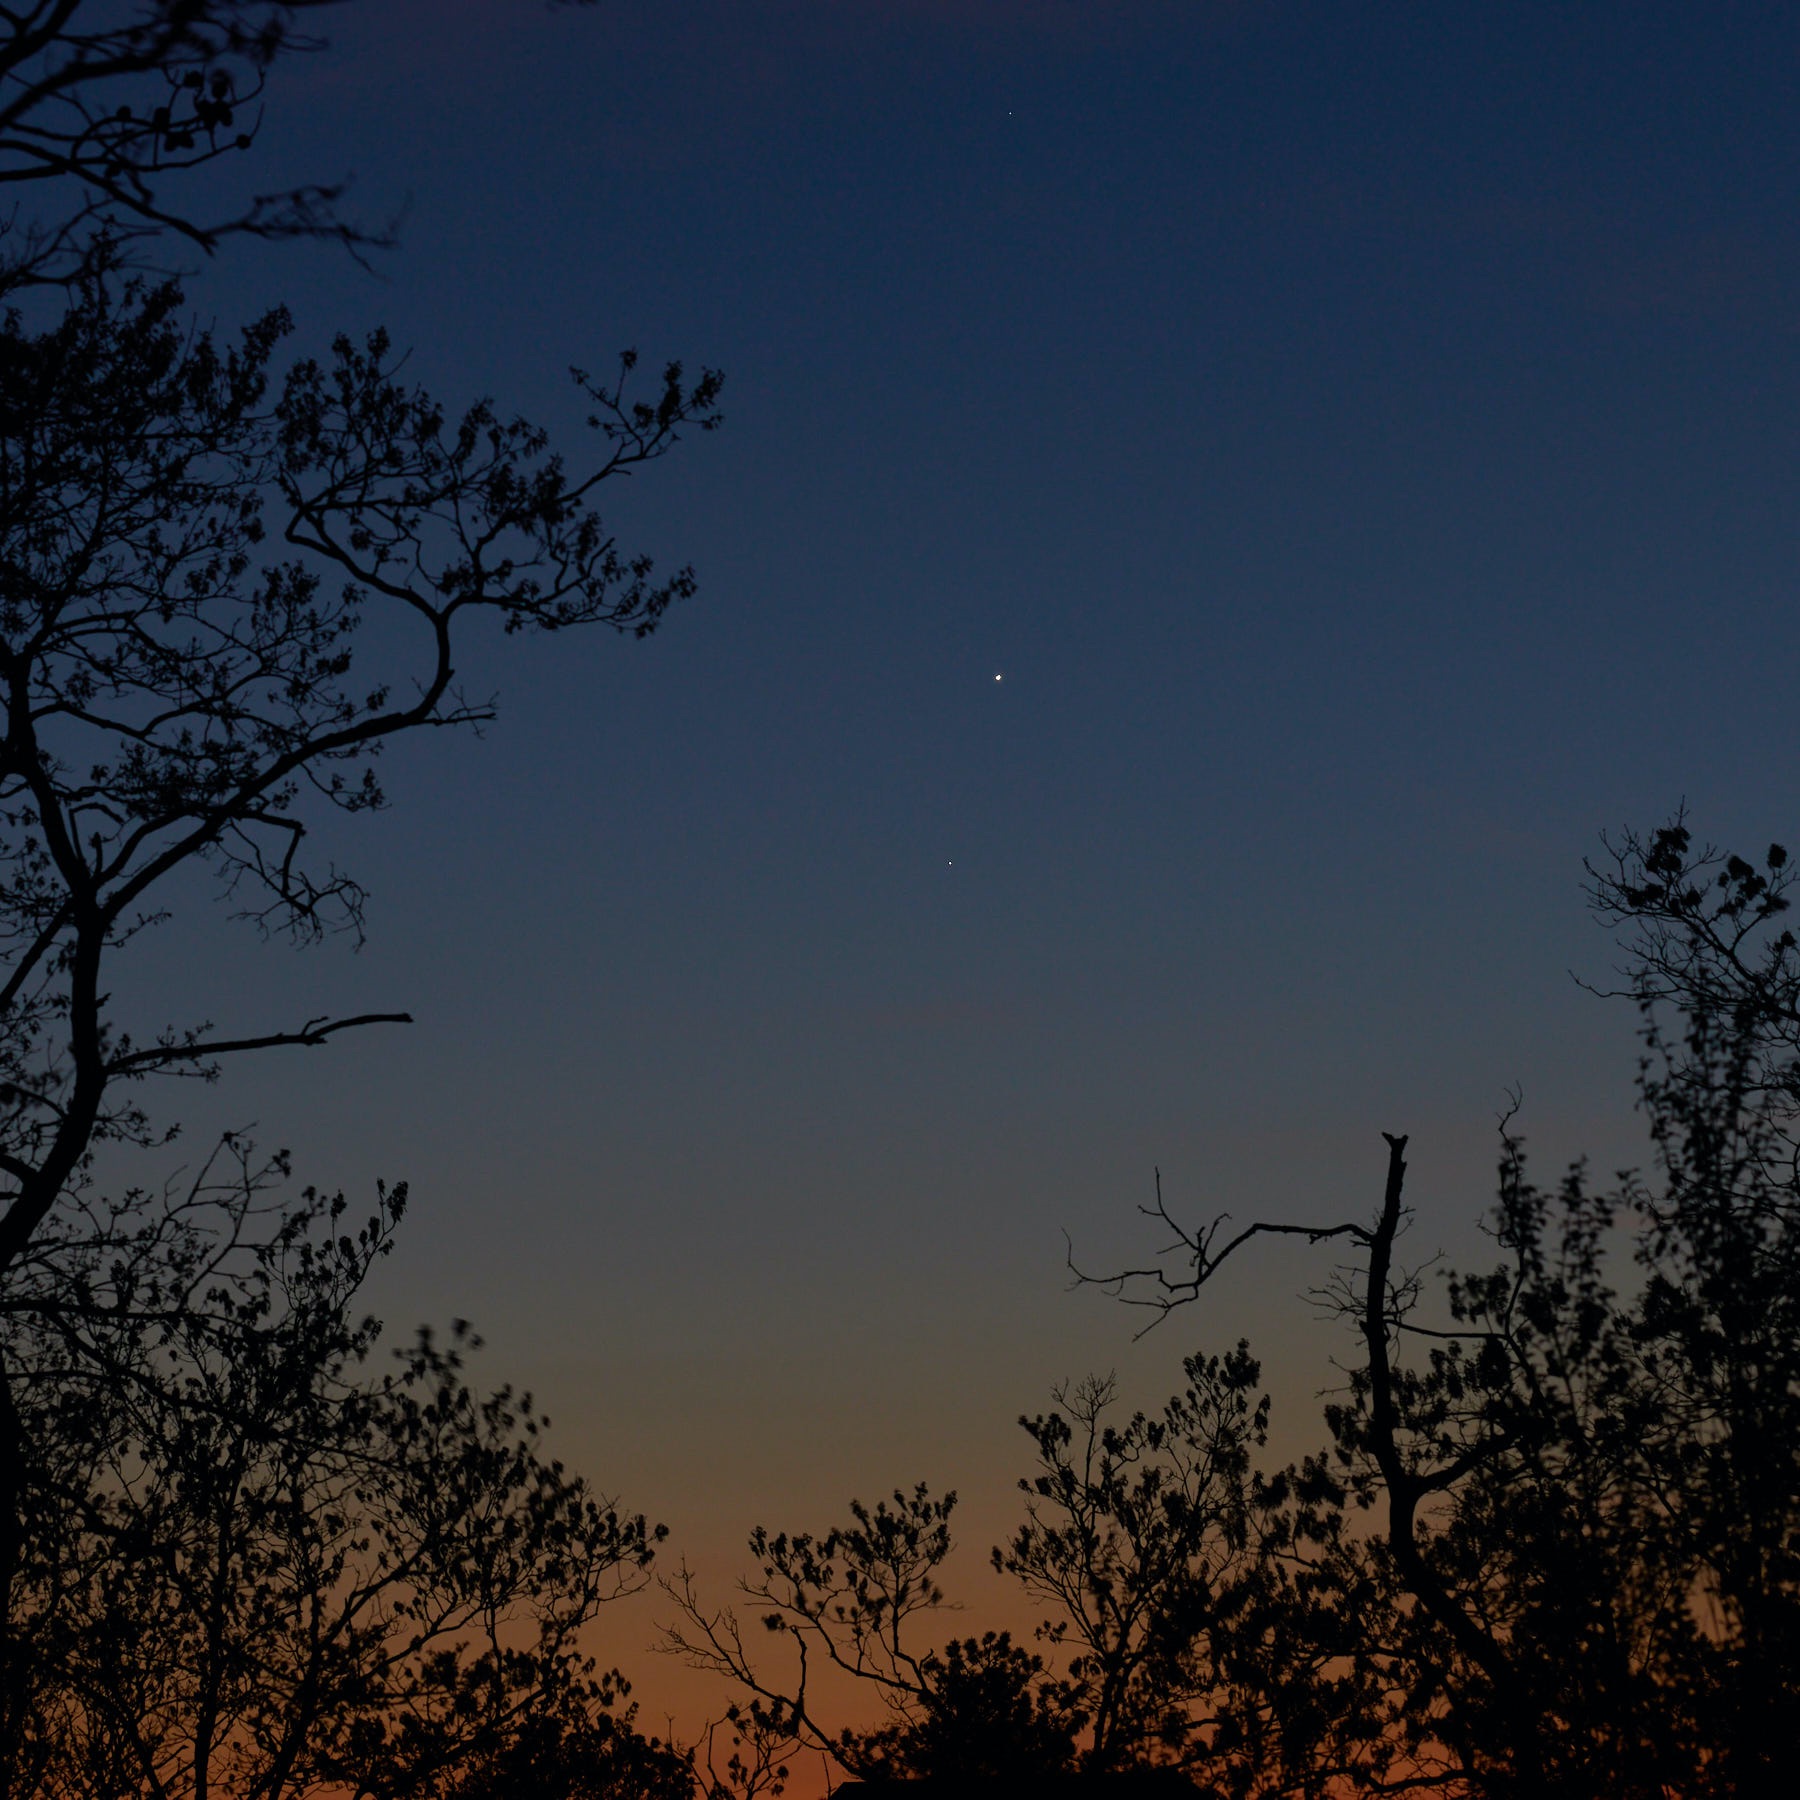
(313, 1032)
(1196, 1246)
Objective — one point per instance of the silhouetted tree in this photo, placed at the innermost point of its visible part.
(253, 1564)
(847, 1597)
(581, 1750)
(174, 692)
(1586, 1579)
(190, 541)
(104, 107)
(1158, 1554)
(1127, 1784)
(1716, 978)
(985, 1712)
(176, 697)
(852, 1599)
(760, 1740)
(1138, 1534)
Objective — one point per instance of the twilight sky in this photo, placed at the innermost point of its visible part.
(1362, 438)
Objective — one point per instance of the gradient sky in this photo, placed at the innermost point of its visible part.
(1364, 440)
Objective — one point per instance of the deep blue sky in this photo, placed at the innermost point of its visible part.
(1363, 438)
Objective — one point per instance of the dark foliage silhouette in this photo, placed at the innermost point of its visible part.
(984, 1712)
(192, 541)
(583, 1749)
(257, 1563)
(1139, 1536)
(1157, 1554)
(175, 697)
(847, 1597)
(1552, 1548)
(1131, 1784)
(104, 108)
(1588, 1482)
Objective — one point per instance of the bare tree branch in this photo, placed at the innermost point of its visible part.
(313, 1032)
(1196, 1248)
